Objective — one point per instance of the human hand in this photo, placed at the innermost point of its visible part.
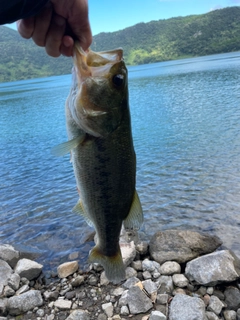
(57, 25)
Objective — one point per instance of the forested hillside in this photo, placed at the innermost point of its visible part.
(215, 32)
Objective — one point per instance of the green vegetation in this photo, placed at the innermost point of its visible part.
(215, 32)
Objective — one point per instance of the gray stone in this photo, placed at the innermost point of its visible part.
(67, 268)
(170, 267)
(232, 298)
(14, 281)
(230, 315)
(181, 246)
(3, 306)
(130, 272)
(130, 282)
(184, 307)
(150, 286)
(142, 247)
(63, 304)
(8, 292)
(165, 284)
(146, 275)
(238, 314)
(138, 302)
(22, 289)
(124, 299)
(215, 305)
(150, 265)
(76, 282)
(28, 268)
(137, 265)
(5, 273)
(162, 298)
(9, 254)
(51, 295)
(124, 311)
(212, 269)
(211, 315)
(103, 279)
(25, 302)
(128, 251)
(79, 315)
(157, 315)
(180, 280)
(108, 309)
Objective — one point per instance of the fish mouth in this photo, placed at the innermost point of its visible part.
(94, 64)
(92, 86)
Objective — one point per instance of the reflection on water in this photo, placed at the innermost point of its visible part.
(186, 128)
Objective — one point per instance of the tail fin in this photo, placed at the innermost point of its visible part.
(113, 266)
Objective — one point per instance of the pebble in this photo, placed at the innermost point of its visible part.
(150, 288)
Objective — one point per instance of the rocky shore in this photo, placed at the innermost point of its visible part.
(178, 275)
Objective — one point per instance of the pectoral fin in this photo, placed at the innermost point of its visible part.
(66, 147)
(79, 209)
(134, 219)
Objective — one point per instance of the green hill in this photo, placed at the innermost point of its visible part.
(215, 32)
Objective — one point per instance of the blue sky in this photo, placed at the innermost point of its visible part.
(110, 15)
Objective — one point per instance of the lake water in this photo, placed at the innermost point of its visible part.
(186, 129)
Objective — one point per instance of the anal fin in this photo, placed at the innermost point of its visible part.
(134, 219)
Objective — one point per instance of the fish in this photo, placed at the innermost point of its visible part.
(102, 152)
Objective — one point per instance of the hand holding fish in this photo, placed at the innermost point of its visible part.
(57, 25)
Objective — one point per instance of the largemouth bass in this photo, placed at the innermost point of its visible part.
(102, 152)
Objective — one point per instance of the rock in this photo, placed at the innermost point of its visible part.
(124, 311)
(180, 280)
(130, 282)
(230, 315)
(124, 299)
(157, 315)
(170, 267)
(79, 315)
(63, 304)
(5, 273)
(181, 246)
(51, 295)
(137, 265)
(117, 292)
(14, 281)
(232, 298)
(165, 284)
(211, 315)
(8, 292)
(138, 302)
(128, 252)
(67, 268)
(142, 247)
(215, 305)
(162, 298)
(184, 307)
(238, 314)
(130, 272)
(212, 269)
(76, 282)
(22, 289)
(108, 309)
(103, 279)
(150, 286)
(150, 265)
(9, 254)
(3, 306)
(25, 302)
(28, 268)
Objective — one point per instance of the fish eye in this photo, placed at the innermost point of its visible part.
(118, 80)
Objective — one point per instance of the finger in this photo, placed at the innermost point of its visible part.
(42, 23)
(67, 46)
(55, 35)
(25, 27)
